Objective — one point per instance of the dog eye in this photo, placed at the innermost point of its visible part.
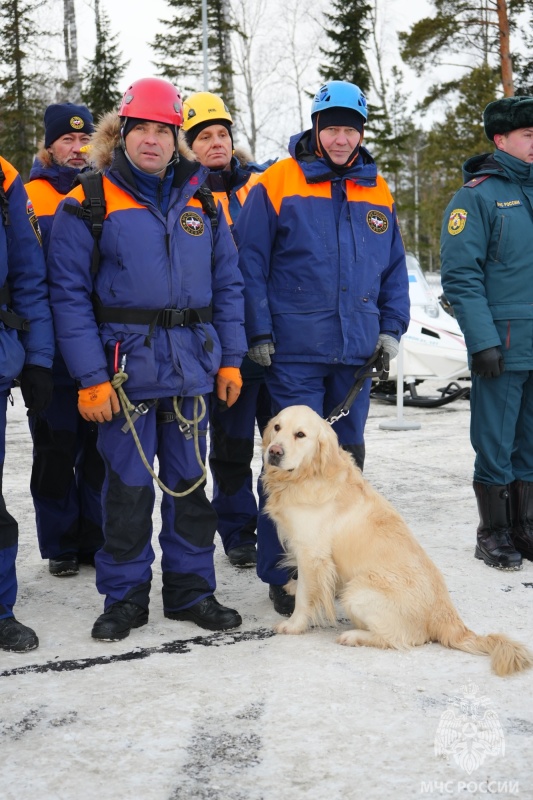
(277, 427)
(300, 435)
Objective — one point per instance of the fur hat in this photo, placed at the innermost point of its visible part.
(508, 114)
(62, 118)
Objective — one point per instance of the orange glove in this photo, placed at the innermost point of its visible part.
(98, 403)
(229, 383)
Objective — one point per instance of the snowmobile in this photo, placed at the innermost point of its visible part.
(433, 349)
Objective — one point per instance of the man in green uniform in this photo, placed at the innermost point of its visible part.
(487, 275)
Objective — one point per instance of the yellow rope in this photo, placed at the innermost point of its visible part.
(127, 407)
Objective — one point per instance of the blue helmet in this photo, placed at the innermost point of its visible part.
(340, 94)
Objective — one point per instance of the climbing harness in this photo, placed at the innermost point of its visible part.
(132, 413)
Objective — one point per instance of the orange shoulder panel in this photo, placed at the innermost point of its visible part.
(223, 199)
(116, 199)
(9, 171)
(44, 197)
(378, 195)
(244, 191)
(285, 179)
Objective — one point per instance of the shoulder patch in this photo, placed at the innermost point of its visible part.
(33, 220)
(457, 221)
(476, 181)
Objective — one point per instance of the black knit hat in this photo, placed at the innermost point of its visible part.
(339, 116)
(508, 114)
(193, 132)
(62, 118)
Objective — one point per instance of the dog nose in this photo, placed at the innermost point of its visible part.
(275, 450)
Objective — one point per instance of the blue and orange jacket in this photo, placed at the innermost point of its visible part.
(23, 274)
(48, 185)
(231, 187)
(148, 260)
(322, 259)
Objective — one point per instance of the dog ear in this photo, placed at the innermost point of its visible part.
(328, 446)
(267, 433)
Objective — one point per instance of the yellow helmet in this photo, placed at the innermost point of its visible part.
(204, 107)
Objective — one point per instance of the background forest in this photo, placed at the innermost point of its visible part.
(267, 57)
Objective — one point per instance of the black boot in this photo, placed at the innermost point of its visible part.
(63, 566)
(118, 620)
(283, 602)
(243, 556)
(16, 637)
(208, 614)
(494, 543)
(522, 508)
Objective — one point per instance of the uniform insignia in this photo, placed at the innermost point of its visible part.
(508, 203)
(377, 221)
(192, 223)
(34, 222)
(457, 221)
(76, 123)
(476, 181)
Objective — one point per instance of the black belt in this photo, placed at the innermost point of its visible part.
(165, 318)
(9, 318)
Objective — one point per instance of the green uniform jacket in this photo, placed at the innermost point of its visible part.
(487, 257)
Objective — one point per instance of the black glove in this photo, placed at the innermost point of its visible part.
(37, 386)
(488, 363)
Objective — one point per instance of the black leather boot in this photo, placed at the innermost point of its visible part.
(494, 543)
(522, 515)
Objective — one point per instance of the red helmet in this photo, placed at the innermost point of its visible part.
(153, 99)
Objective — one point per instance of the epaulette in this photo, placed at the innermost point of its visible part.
(475, 181)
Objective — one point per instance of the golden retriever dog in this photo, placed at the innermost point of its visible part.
(347, 541)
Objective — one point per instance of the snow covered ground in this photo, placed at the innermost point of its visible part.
(176, 713)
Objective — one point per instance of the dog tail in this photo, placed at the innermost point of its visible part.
(506, 655)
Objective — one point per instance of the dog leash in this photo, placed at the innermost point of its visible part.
(377, 366)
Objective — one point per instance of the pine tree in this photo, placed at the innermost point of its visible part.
(475, 32)
(21, 90)
(101, 92)
(348, 31)
(179, 50)
(449, 144)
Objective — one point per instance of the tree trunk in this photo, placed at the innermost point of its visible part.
(70, 38)
(505, 52)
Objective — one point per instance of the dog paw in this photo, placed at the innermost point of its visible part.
(349, 638)
(291, 587)
(288, 627)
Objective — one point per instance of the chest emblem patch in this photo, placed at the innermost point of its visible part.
(457, 221)
(192, 223)
(377, 221)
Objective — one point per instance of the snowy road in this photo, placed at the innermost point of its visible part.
(175, 713)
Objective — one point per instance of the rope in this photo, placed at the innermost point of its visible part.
(120, 378)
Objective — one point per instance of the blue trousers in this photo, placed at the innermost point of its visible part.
(501, 427)
(322, 387)
(231, 452)
(123, 564)
(9, 533)
(66, 478)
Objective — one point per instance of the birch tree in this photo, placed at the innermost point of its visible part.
(70, 41)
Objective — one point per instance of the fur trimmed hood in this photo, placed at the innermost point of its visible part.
(106, 139)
